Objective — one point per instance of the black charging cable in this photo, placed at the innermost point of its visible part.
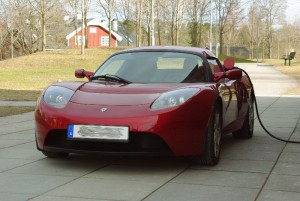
(258, 116)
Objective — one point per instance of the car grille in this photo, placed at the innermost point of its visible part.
(138, 143)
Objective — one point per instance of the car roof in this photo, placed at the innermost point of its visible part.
(194, 50)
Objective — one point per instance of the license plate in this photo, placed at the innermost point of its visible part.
(116, 133)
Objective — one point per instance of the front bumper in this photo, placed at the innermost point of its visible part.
(139, 143)
(178, 131)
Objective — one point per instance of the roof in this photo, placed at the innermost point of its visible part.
(95, 22)
(194, 50)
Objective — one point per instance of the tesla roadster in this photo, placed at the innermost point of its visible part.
(151, 100)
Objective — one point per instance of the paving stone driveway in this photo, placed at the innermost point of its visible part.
(261, 168)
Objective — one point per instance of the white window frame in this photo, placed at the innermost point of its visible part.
(104, 40)
(93, 30)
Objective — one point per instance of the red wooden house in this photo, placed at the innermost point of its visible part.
(97, 33)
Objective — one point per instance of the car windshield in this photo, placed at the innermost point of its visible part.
(155, 67)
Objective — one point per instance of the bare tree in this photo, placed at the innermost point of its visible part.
(15, 16)
(83, 21)
(177, 14)
(127, 14)
(197, 11)
(74, 5)
(251, 26)
(85, 10)
(272, 11)
(47, 10)
(30, 24)
(40, 7)
(148, 20)
(139, 14)
(229, 13)
(288, 38)
(109, 8)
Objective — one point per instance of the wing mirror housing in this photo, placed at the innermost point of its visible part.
(235, 74)
(81, 73)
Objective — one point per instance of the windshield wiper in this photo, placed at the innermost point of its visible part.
(110, 77)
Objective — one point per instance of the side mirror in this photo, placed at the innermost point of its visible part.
(230, 74)
(228, 63)
(235, 74)
(81, 73)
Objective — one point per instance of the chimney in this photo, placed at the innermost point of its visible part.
(114, 25)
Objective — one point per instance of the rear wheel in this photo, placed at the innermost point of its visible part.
(55, 154)
(246, 132)
(212, 145)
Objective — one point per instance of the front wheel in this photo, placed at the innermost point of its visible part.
(246, 132)
(212, 144)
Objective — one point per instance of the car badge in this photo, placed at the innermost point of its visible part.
(103, 109)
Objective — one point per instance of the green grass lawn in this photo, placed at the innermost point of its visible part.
(13, 110)
(36, 71)
(237, 60)
(19, 95)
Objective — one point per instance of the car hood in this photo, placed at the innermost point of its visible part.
(101, 93)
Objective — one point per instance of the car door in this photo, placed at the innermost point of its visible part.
(228, 90)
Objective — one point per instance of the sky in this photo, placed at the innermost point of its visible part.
(293, 10)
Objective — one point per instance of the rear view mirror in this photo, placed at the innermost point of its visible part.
(228, 63)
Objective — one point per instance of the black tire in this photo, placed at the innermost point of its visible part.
(246, 132)
(55, 154)
(212, 144)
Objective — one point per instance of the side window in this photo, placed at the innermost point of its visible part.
(214, 66)
(200, 63)
(196, 70)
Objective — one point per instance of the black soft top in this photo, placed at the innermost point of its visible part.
(194, 50)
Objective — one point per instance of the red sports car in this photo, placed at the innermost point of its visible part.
(149, 100)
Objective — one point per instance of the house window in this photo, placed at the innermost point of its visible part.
(104, 40)
(93, 30)
(78, 40)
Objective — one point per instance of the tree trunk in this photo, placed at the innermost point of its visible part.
(82, 27)
(12, 42)
(148, 24)
(158, 26)
(221, 42)
(85, 24)
(139, 12)
(43, 14)
(109, 27)
(194, 30)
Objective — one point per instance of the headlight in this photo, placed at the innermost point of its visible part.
(57, 96)
(173, 98)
